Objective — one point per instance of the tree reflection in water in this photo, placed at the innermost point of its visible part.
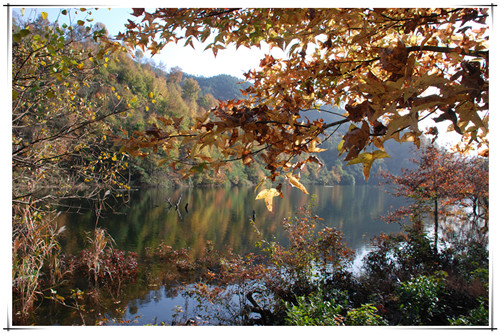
(220, 216)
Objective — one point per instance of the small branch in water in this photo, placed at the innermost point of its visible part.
(265, 314)
(178, 202)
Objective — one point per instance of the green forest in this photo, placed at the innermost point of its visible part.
(94, 120)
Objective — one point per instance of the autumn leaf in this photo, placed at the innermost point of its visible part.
(259, 184)
(294, 181)
(485, 153)
(367, 160)
(44, 15)
(314, 149)
(268, 195)
(340, 147)
(138, 11)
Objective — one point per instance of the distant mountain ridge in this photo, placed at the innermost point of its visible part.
(222, 87)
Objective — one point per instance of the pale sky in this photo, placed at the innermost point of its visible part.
(191, 61)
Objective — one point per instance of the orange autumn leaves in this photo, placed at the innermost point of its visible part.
(389, 68)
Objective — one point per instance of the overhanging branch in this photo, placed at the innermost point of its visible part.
(431, 48)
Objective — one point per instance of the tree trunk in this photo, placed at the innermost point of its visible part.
(436, 219)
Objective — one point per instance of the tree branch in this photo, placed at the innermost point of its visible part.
(480, 53)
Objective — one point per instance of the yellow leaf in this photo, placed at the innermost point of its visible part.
(294, 181)
(340, 147)
(367, 160)
(397, 124)
(150, 95)
(314, 149)
(259, 184)
(267, 195)
(45, 15)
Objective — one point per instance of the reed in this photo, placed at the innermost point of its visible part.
(97, 242)
(34, 245)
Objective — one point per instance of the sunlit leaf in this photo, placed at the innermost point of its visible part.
(314, 149)
(294, 181)
(44, 15)
(268, 195)
(367, 160)
(340, 147)
(259, 184)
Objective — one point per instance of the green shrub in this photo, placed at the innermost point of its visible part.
(313, 311)
(419, 299)
(364, 316)
(476, 317)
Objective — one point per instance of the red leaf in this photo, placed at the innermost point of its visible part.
(138, 11)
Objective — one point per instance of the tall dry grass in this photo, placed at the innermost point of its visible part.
(34, 245)
(97, 242)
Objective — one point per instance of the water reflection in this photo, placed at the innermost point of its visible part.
(222, 215)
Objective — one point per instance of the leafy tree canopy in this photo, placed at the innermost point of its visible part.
(389, 69)
(60, 114)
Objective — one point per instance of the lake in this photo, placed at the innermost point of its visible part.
(219, 215)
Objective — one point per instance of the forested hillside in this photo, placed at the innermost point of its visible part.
(222, 86)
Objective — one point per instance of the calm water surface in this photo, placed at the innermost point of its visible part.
(222, 215)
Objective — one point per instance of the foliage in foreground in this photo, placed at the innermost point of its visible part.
(403, 282)
(304, 281)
